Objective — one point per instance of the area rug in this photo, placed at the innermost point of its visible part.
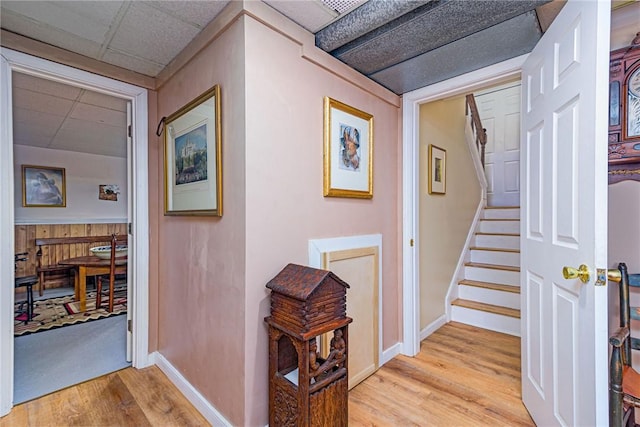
(55, 313)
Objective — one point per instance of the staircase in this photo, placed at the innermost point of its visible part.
(489, 293)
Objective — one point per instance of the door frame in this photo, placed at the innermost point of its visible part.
(466, 83)
(139, 254)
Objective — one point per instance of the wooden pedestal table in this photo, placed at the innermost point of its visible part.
(91, 266)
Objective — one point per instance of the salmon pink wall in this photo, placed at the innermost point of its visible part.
(201, 269)
(287, 79)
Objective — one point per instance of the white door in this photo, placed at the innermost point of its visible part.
(130, 193)
(564, 218)
(499, 110)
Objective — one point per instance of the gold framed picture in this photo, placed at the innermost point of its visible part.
(43, 187)
(193, 158)
(348, 151)
(437, 170)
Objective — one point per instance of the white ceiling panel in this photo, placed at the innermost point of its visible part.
(22, 117)
(102, 100)
(312, 15)
(87, 25)
(49, 87)
(144, 32)
(199, 13)
(34, 101)
(53, 36)
(94, 138)
(94, 114)
(130, 62)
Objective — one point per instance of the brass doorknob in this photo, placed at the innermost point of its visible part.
(581, 273)
(614, 275)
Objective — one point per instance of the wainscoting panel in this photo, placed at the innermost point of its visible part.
(357, 262)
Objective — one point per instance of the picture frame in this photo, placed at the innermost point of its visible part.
(43, 187)
(193, 157)
(348, 151)
(437, 182)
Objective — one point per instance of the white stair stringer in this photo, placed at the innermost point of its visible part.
(488, 295)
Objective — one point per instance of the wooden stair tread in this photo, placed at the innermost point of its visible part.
(502, 207)
(492, 266)
(489, 308)
(500, 219)
(484, 233)
(482, 248)
(493, 286)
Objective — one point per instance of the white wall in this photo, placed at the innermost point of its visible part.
(84, 173)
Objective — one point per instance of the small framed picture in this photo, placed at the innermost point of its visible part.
(43, 187)
(193, 164)
(348, 151)
(437, 170)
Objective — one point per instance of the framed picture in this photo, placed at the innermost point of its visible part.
(348, 151)
(437, 170)
(43, 187)
(192, 153)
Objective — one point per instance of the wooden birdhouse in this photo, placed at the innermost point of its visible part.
(305, 389)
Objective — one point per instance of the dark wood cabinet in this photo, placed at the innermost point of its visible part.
(305, 389)
(624, 113)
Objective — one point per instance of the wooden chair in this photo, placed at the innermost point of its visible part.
(111, 277)
(624, 381)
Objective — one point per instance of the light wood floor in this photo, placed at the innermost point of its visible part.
(129, 397)
(463, 376)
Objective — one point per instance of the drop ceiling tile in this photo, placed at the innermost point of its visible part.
(199, 13)
(95, 138)
(311, 15)
(47, 34)
(94, 114)
(139, 65)
(28, 118)
(30, 142)
(103, 100)
(31, 135)
(151, 34)
(49, 87)
(85, 20)
(43, 103)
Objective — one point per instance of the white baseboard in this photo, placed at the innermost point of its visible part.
(391, 352)
(202, 405)
(433, 326)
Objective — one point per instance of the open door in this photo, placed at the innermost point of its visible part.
(564, 219)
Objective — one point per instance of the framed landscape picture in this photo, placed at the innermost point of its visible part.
(43, 187)
(348, 151)
(193, 164)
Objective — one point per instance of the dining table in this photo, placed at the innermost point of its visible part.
(91, 266)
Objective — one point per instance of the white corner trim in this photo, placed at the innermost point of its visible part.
(201, 404)
(390, 353)
(433, 326)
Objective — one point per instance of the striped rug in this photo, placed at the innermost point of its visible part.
(55, 313)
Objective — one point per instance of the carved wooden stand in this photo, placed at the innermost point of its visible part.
(305, 389)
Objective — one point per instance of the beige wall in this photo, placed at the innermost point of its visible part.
(215, 270)
(444, 220)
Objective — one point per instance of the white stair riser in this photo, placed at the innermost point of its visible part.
(482, 319)
(496, 257)
(496, 241)
(489, 296)
(491, 275)
(500, 226)
(502, 213)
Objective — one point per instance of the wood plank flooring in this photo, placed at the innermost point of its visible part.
(129, 397)
(463, 376)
